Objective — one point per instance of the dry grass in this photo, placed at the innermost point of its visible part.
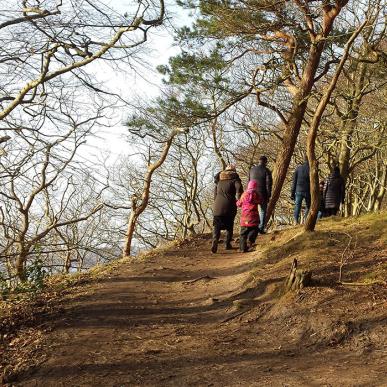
(324, 250)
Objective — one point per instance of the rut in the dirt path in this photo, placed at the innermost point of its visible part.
(184, 316)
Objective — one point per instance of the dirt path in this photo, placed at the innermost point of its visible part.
(184, 318)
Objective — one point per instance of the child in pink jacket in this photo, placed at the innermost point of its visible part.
(250, 217)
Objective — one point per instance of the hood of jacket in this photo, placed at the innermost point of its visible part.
(252, 185)
(228, 175)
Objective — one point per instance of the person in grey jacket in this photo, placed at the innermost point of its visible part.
(228, 188)
(334, 192)
(301, 190)
(262, 175)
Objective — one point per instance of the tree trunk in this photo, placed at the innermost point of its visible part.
(132, 222)
(20, 267)
(300, 102)
(382, 190)
(67, 264)
(349, 119)
(294, 124)
(283, 158)
(138, 210)
(213, 128)
(310, 222)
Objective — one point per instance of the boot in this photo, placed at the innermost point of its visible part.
(215, 239)
(242, 245)
(214, 246)
(228, 240)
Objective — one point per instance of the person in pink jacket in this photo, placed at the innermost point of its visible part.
(249, 217)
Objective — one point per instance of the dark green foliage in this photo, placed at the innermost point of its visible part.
(245, 19)
(189, 68)
(36, 273)
(234, 48)
(222, 50)
(196, 80)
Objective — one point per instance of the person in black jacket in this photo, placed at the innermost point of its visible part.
(262, 175)
(301, 190)
(321, 208)
(334, 192)
(228, 188)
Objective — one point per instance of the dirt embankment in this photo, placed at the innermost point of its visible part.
(183, 316)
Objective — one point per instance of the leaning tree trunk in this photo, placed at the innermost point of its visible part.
(132, 222)
(283, 158)
(136, 211)
(301, 95)
(311, 219)
(310, 222)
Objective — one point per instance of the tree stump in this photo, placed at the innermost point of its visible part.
(297, 279)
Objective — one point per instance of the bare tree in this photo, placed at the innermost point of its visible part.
(43, 41)
(38, 192)
(139, 204)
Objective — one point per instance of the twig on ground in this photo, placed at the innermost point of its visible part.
(235, 316)
(198, 279)
(347, 255)
(363, 283)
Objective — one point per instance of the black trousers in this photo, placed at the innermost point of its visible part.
(331, 211)
(247, 234)
(223, 223)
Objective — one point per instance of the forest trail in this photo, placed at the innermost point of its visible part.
(186, 317)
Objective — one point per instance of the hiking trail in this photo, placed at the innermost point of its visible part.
(183, 316)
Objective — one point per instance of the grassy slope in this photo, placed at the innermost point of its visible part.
(329, 315)
(355, 240)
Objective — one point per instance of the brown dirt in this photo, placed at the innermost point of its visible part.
(184, 316)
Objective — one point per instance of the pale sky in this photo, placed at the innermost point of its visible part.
(143, 83)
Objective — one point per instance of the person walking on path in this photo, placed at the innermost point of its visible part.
(228, 189)
(249, 217)
(321, 208)
(334, 192)
(301, 190)
(262, 175)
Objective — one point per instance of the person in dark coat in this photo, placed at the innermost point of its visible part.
(228, 189)
(321, 208)
(301, 190)
(262, 175)
(334, 192)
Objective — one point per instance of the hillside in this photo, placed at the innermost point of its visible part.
(183, 316)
